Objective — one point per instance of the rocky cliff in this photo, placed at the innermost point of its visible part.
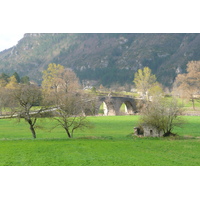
(107, 58)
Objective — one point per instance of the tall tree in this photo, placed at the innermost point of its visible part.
(4, 76)
(188, 84)
(56, 77)
(52, 77)
(16, 75)
(70, 112)
(156, 90)
(12, 84)
(25, 80)
(4, 79)
(25, 97)
(144, 80)
(61, 89)
(70, 82)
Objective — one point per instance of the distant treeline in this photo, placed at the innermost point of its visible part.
(5, 79)
(106, 76)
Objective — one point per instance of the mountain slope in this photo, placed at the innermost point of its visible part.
(108, 58)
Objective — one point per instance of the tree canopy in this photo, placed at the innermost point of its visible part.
(162, 114)
(144, 80)
(56, 78)
(187, 85)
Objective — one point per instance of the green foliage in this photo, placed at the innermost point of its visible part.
(162, 114)
(25, 80)
(4, 77)
(144, 80)
(106, 76)
(16, 75)
(94, 90)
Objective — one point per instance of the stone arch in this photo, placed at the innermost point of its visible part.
(104, 106)
(130, 109)
(108, 106)
(111, 105)
(111, 108)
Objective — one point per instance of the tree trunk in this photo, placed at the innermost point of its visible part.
(169, 133)
(193, 104)
(68, 133)
(31, 127)
(33, 131)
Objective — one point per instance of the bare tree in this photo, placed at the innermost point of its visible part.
(24, 98)
(188, 84)
(70, 82)
(162, 114)
(62, 90)
(70, 113)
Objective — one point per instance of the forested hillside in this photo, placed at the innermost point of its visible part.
(106, 58)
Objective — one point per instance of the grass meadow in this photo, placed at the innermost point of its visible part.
(109, 143)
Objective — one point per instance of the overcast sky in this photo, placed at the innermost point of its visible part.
(8, 40)
(129, 19)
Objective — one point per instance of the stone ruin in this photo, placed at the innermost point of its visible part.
(147, 131)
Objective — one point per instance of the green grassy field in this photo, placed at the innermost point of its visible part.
(108, 144)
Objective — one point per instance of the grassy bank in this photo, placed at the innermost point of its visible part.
(108, 144)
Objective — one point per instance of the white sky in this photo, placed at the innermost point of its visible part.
(77, 16)
(8, 40)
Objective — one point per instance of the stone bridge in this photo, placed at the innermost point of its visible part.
(111, 105)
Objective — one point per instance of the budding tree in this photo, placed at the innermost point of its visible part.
(61, 87)
(57, 78)
(70, 112)
(162, 114)
(144, 80)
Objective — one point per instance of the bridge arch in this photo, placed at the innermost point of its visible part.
(102, 108)
(111, 105)
(130, 109)
(108, 108)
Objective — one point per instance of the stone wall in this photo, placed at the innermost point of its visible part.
(148, 131)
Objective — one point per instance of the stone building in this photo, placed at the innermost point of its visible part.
(148, 131)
